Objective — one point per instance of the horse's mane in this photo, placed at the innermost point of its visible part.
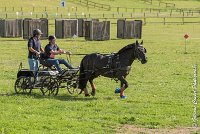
(126, 48)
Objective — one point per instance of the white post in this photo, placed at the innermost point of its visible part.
(17, 13)
(195, 97)
(69, 15)
(185, 46)
(31, 14)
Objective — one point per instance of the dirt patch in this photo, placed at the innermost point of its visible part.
(130, 129)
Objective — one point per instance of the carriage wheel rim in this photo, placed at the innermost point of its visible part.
(49, 87)
(21, 85)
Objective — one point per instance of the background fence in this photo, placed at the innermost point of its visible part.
(178, 17)
(91, 4)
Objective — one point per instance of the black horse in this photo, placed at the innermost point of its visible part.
(115, 66)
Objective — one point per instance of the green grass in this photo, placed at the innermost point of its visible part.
(160, 93)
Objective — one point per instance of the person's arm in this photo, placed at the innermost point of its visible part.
(30, 47)
(34, 51)
(64, 52)
(68, 52)
(41, 49)
(55, 52)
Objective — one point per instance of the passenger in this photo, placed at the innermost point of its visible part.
(34, 49)
(51, 50)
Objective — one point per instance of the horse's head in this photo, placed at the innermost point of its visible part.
(140, 52)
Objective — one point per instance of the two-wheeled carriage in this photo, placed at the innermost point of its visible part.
(49, 81)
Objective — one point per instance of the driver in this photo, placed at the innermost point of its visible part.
(51, 50)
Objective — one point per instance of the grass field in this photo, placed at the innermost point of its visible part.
(160, 93)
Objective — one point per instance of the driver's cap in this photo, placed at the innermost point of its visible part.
(37, 32)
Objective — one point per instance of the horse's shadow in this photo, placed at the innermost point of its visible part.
(68, 98)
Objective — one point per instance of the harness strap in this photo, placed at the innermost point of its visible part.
(127, 68)
(110, 60)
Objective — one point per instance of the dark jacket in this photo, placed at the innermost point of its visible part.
(37, 47)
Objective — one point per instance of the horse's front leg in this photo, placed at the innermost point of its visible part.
(93, 87)
(82, 86)
(124, 85)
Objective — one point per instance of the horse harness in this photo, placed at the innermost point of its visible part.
(115, 66)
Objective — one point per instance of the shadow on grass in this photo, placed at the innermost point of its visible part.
(8, 94)
(59, 97)
(72, 98)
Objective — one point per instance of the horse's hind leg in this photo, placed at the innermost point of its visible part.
(124, 85)
(93, 87)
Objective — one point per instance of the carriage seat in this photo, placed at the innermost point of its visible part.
(25, 73)
(45, 63)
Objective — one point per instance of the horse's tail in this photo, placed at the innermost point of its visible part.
(82, 76)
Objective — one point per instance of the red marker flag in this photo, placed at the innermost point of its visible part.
(186, 36)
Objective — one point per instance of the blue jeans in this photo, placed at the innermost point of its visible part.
(57, 62)
(34, 66)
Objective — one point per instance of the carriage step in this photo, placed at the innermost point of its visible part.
(68, 72)
(62, 86)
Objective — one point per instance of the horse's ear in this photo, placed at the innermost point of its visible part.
(141, 42)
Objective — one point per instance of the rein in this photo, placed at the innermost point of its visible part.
(88, 54)
(69, 58)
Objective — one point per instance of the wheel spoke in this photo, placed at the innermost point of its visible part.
(23, 85)
(72, 87)
(49, 86)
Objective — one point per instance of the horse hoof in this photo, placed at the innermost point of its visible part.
(87, 95)
(93, 93)
(117, 90)
(123, 97)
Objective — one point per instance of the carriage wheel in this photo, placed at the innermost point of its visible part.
(49, 86)
(23, 85)
(72, 87)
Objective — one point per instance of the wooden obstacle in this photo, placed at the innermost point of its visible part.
(66, 28)
(11, 28)
(81, 26)
(129, 29)
(30, 24)
(95, 30)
